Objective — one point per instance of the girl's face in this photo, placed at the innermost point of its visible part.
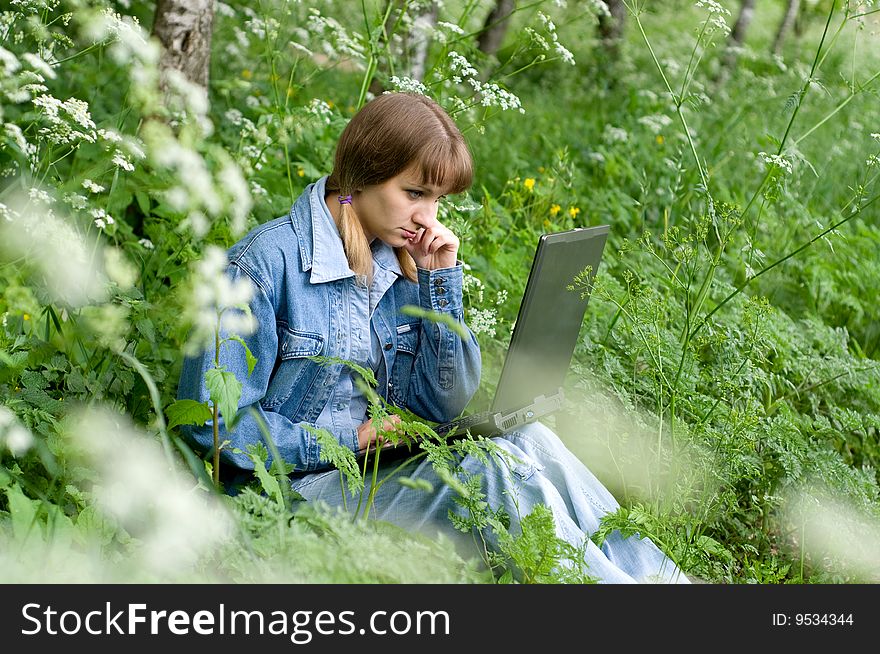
(396, 209)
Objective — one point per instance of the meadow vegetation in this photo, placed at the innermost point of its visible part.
(726, 384)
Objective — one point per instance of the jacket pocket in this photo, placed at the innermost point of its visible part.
(401, 370)
(295, 344)
(295, 372)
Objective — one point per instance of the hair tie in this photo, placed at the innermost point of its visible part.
(344, 199)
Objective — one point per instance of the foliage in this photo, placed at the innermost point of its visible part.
(726, 384)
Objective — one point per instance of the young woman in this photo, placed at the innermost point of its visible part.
(330, 279)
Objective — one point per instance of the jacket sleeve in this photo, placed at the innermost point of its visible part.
(296, 445)
(447, 367)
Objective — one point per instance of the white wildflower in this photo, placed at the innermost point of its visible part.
(233, 183)
(109, 135)
(39, 195)
(234, 116)
(103, 217)
(119, 269)
(779, 161)
(875, 136)
(121, 161)
(56, 249)
(18, 440)
(146, 243)
(320, 110)
(655, 122)
(450, 27)
(214, 293)
(8, 61)
(599, 8)
(612, 134)
(482, 321)
(408, 85)
(472, 284)
(172, 524)
(713, 7)
(36, 63)
(13, 435)
(92, 187)
(76, 200)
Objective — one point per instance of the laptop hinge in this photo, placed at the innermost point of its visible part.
(542, 405)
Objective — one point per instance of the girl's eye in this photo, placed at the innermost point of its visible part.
(414, 195)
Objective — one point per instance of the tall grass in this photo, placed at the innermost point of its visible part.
(725, 385)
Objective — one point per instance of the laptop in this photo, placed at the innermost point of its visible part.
(544, 336)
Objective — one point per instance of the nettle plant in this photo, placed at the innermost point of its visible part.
(695, 340)
(101, 205)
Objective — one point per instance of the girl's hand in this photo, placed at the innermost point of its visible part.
(433, 245)
(369, 435)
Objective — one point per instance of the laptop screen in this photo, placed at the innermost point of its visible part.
(550, 317)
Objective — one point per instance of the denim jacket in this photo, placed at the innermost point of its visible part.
(304, 295)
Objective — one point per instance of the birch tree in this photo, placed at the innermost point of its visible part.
(184, 29)
(785, 25)
(495, 26)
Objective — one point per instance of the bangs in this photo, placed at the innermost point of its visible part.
(447, 165)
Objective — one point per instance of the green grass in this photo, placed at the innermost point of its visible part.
(725, 386)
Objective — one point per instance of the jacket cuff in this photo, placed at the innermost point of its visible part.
(440, 290)
(349, 438)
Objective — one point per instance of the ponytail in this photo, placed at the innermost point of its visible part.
(354, 242)
(407, 264)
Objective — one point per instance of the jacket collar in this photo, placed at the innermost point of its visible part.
(320, 246)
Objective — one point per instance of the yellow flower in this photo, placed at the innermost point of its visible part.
(573, 211)
(529, 183)
(301, 171)
(659, 138)
(330, 103)
(555, 209)
(546, 224)
(26, 316)
(247, 74)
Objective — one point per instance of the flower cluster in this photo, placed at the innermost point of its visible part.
(489, 93)
(408, 85)
(216, 297)
(563, 52)
(14, 437)
(715, 19)
(777, 161)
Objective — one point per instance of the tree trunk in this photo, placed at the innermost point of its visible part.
(495, 27)
(184, 29)
(418, 42)
(414, 45)
(791, 12)
(737, 36)
(611, 28)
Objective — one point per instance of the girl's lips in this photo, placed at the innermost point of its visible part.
(407, 233)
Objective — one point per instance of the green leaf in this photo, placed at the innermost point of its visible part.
(257, 454)
(225, 391)
(23, 513)
(433, 316)
(251, 359)
(365, 373)
(188, 412)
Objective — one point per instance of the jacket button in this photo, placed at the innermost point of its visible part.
(388, 346)
(439, 280)
(442, 302)
(441, 290)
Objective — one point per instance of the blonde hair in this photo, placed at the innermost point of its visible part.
(388, 135)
